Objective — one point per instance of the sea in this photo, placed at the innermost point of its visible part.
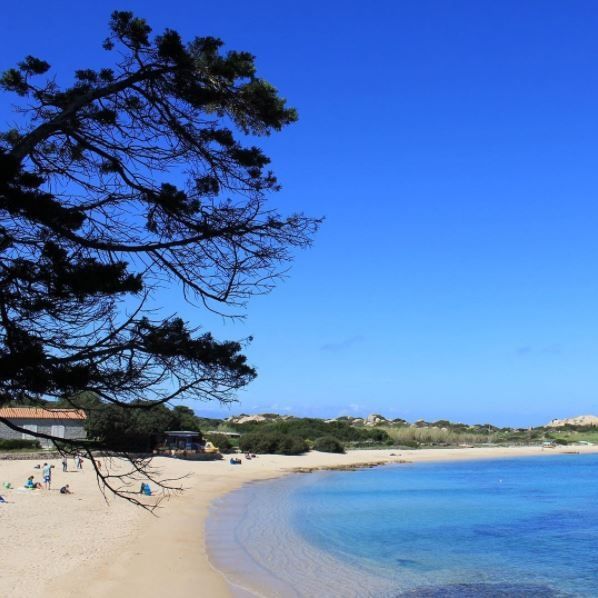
(517, 527)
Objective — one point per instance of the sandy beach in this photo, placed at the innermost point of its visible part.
(79, 544)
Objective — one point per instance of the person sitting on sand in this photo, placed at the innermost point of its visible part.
(31, 484)
(65, 490)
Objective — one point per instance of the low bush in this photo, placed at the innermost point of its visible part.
(273, 443)
(408, 444)
(18, 444)
(329, 444)
(292, 445)
(312, 429)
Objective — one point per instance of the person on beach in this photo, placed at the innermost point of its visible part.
(65, 464)
(47, 475)
(31, 484)
(65, 490)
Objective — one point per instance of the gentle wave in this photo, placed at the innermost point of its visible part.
(251, 542)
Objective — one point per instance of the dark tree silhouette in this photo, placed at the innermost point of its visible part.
(128, 184)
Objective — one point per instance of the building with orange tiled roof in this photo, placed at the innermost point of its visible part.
(59, 423)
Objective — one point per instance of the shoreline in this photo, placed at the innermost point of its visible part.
(80, 542)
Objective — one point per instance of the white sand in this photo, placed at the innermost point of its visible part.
(65, 546)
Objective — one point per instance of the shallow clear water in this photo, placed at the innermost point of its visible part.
(516, 527)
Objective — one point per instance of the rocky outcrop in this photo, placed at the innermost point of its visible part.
(347, 467)
(243, 418)
(374, 420)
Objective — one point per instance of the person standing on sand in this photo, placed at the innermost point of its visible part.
(47, 475)
(65, 464)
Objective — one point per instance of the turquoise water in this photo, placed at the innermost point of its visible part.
(517, 527)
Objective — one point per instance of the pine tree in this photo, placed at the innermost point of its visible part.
(135, 179)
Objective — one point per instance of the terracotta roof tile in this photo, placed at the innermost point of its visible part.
(41, 413)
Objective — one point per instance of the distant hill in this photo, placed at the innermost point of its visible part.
(272, 432)
(375, 420)
(580, 420)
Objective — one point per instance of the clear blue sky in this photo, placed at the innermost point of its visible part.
(453, 148)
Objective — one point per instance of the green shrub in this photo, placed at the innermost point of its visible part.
(272, 443)
(409, 443)
(561, 441)
(292, 445)
(378, 435)
(125, 429)
(329, 444)
(18, 444)
(311, 429)
(220, 441)
(255, 442)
